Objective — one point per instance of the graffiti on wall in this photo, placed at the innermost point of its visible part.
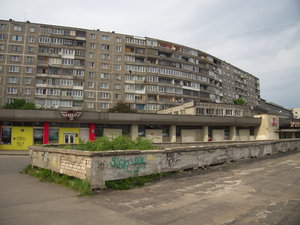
(172, 159)
(20, 141)
(131, 165)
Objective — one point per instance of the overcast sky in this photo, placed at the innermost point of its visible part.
(261, 37)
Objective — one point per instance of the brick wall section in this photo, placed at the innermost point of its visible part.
(98, 167)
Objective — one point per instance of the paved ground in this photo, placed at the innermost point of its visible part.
(259, 192)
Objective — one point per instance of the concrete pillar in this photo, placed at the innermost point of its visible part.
(205, 133)
(232, 133)
(134, 131)
(173, 133)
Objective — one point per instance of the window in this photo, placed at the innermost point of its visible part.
(16, 38)
(118, 58)
(91, 84)
(12, 80)
(104, 85)
(228, 112)
(91, 55)
(117, 96)
(31, 39)
(91, 65)
(117, 86)
(90, 94)
(118, 48)
(15, 58)
(30, 49)
(14, 69)
(53, 135)
(104, 95)
(2, 36)
(117, 67)
(93, 36)
(90, 105)
(28, 70)
(2, 47)
(92, 45)
(118, 39)
(118, 77)
(237, 112)
(29, 59)
(91, 75)
(105, 56)
(104, 47)
(199, 111)
(12, 91)
(6, 135)
(104, 75)
(16, 48)
(105, 66)
(27, 80)
(105, 38)
(27, 91)
(32, 29)
(1, 57)
(65, 103)
(17, 28)
(3, 26)
(104, 106)
(66, 82)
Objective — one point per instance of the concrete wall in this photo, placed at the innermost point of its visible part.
(269, 126)
(98, 167)
(218, 135)
(244, 134)
(154, 135)
(109, 132)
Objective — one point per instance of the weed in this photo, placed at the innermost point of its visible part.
(45, 175)
(116, 143)
(131, 182)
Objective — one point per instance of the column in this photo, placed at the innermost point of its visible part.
(173, 133)
(46, 133)
(205, 133)
(232, 133)
(134, 131)
(92, 132)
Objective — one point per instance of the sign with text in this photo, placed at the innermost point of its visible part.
(71, 115)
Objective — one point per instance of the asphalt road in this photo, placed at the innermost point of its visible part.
(257, 192)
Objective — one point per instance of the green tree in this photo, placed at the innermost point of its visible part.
(122, 107)
(19, 104)
(239, 101)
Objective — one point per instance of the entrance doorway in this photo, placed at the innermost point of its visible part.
(69, 138)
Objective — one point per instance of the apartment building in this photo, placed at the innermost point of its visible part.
(71, 68)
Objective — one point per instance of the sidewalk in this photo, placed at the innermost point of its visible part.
(14, 152)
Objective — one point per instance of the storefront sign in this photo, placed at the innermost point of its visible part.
(71, 115)
(295, 124)
(274, 121)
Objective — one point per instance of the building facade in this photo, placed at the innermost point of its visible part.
(79, 69)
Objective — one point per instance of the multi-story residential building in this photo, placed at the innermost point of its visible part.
(80, 69)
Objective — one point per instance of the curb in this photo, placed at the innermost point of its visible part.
(14, 152)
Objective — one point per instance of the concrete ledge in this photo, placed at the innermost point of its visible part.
(14, 152)
(98, 167)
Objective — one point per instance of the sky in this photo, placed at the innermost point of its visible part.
(261, 37)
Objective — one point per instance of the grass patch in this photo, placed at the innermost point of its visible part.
(45, 175)
(131, 182)
(117, 143)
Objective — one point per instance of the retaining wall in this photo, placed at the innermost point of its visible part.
(98, 167)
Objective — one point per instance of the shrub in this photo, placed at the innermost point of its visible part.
(117, 143)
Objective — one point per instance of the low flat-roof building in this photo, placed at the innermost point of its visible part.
(22, 128)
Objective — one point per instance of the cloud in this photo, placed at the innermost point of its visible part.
(260, 37)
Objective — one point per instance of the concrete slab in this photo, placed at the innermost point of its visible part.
(259, 191)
